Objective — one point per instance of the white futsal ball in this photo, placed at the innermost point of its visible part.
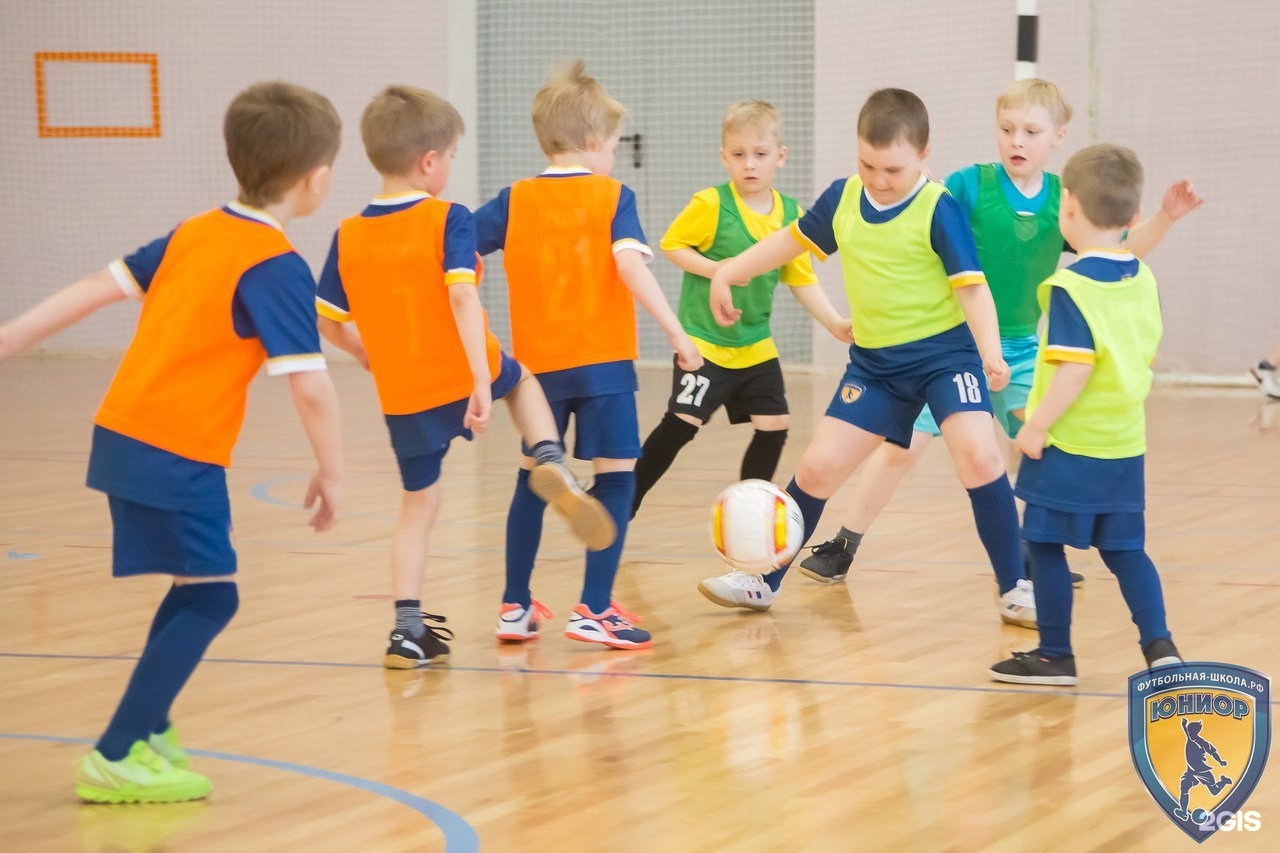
(756, 526)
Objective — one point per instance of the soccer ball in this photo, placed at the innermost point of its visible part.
(756, 526)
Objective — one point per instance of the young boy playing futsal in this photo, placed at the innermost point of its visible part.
(741, 370)
(405, 270)
(221, 294)
(1085, 437)
(919, 303)
(1012, 207)
(575, 258)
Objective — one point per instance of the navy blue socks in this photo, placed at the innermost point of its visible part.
(811, 508)
(996, 517)
(524, 533)
(196, 614)
(616, 490)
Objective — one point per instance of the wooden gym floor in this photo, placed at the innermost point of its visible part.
(851, 717)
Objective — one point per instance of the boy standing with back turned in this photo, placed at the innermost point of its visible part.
(741, 370)
(1085, 438)
(405, 269)
(575, 257)
(221, 294)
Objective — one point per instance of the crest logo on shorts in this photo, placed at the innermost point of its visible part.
(1199, 734)
(850, 392)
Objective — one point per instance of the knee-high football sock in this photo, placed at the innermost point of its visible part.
(996, 517)
(760, 462)
(169, 605)
(1140, 586)
(615, 490)
(659, 451)
(524, 533)
(811, 509)
(167, 661)
(1052, 581)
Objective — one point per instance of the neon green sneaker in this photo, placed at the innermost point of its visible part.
(166, 745)
(142, 776)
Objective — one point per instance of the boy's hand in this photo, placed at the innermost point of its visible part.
(842, 329)
(687, 355)
(326, 491)
(1030, 441)
(1179, 200)
(479, 407)
(997, 373)
(722, 304)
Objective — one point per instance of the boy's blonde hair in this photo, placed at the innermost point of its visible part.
(751, 114)
(402, 123)
(276, 133)
(1035, 92)
(1107, 182)
(573, 109)
(893, 114)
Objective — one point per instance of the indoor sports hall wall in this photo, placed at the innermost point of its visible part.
(70, 205)
(675, 66)
(1190, 88)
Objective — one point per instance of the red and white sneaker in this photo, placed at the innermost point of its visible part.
(518, 624)
(614, 628)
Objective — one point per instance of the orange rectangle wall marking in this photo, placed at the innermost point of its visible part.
(42, 95)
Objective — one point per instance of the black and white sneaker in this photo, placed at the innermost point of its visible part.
(829, 562)
(1161, 652)
(1032, 668)
(409, 652)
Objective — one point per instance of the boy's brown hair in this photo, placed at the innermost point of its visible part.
(1107, 182)
(402, 123)
(893, 114)
(276, 133)
(1034, 91)
(754, 115)
(572, 110)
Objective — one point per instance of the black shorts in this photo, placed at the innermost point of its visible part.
(743, 391)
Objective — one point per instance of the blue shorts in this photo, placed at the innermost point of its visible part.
(1106, 531)
(890, 406)
(147, 540)
(605, 427)
(421, 440)
(1020, 355)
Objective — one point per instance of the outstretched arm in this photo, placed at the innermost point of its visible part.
(1179, 200)
(468, 314)
(769, 254)
(317, 405)
(69, 305)
(814, 300)
(639, 280)
(345, 337)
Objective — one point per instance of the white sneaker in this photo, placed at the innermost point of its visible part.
(517, 624)
(1018, 605)
(739, 589)
(1265, 375)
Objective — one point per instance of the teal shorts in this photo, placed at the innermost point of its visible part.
(1020, 355)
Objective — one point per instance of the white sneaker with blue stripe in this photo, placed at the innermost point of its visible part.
(739, 589)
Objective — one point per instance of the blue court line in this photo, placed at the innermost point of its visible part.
(459, 836)
(666, 676)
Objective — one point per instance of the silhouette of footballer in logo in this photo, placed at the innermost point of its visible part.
(1198, 772)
